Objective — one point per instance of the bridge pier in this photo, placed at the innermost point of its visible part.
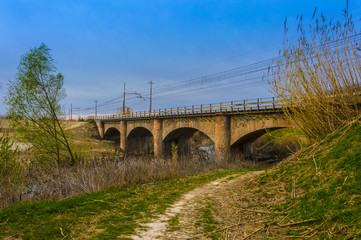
(100, 126)
(157, 137)
(123, 135)
(222, 138)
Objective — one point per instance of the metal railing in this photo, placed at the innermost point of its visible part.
(249, 105)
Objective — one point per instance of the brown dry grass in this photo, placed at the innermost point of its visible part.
(318, 77)
(243, 209)
(101, 172)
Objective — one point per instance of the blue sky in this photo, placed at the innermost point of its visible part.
(98, 45)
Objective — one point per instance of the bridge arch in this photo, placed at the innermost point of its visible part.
(241, 128)
(113, 134)
(140, 140)
(204, 125)
(244, 143)
(187, 139)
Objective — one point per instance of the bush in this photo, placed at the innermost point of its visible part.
(90, 121)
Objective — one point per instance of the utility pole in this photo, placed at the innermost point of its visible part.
(124, 100)
(71, 111)
(125, 93)
(150, 95)
(96, 108)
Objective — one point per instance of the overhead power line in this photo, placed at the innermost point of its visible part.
(238, 77)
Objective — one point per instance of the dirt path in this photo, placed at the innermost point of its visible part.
(179, 220)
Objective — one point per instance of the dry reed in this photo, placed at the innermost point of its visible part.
(318, 77)
(100, 173)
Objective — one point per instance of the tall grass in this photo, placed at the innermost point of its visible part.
(11, 171)
(318, 77)
(102, 172)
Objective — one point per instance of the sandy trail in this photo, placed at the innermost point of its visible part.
(186, 206)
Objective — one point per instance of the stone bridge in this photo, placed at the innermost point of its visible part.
(231, 127)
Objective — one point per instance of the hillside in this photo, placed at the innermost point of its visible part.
(315, 194)
(323, 185)
(84, 134)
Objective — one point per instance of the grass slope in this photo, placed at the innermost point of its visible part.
(314, 194)
(324, 186)
(103, 215)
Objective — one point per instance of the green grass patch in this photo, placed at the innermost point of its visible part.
(173, 224)
(284, 136)
(327, 181)
(208, 222)
(106, 214)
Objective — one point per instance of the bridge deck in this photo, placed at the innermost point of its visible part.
(233, 107)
